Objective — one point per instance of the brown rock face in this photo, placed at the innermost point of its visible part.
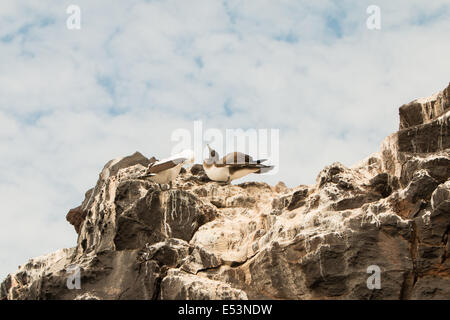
(76, 217)
(202, 240)
(423, 111)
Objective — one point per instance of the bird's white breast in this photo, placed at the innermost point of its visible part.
(168, 175)
(217, 173)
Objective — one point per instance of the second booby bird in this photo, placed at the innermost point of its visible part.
(233, 166)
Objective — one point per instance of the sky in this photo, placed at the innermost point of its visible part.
(136, 71)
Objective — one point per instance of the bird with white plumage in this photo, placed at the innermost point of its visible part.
(166, 170)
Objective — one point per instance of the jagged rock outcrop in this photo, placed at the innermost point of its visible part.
(202, 240)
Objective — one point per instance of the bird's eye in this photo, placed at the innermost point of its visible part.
(213, 153)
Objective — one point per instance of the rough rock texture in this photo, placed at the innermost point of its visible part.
(422, 111)
(202, 240)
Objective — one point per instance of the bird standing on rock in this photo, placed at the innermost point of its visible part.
(233, 166)
(166, 170)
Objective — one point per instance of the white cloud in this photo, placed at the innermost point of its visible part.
(72, 100)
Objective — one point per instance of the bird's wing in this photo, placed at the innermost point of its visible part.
(255, 167)
(165, 165)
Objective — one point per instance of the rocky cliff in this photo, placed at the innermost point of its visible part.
(202, 240)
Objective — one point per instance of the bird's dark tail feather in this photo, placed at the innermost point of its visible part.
(147, 175)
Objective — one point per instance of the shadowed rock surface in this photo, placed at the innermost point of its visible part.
(203, 240)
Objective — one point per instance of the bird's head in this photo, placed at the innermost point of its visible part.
(213, 155)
